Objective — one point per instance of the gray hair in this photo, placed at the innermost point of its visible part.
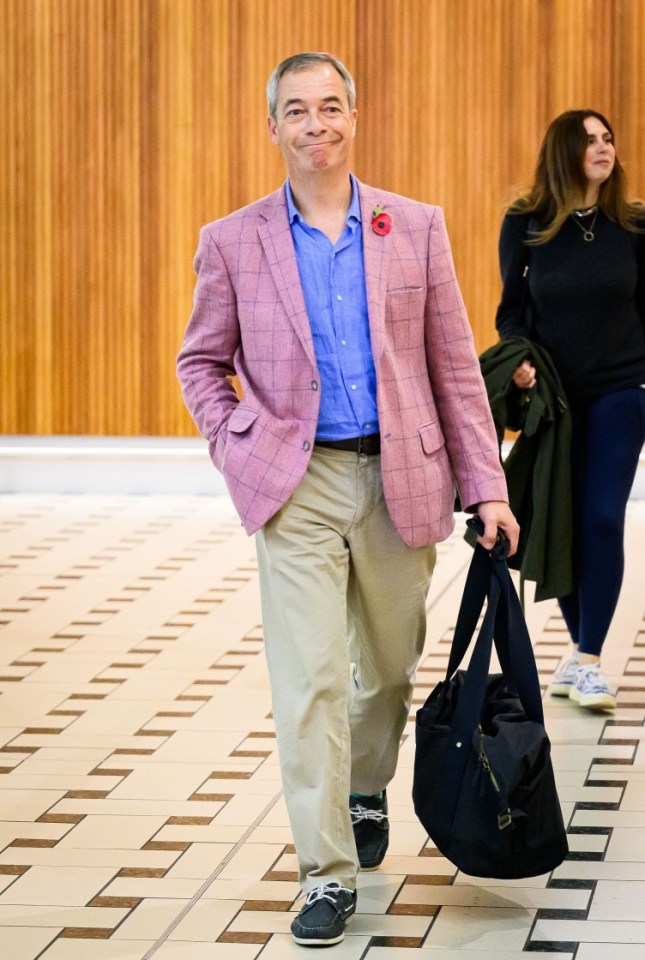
(302, 61)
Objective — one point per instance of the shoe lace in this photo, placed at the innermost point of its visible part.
(359, 812)
(327, 891)
(594, 679)
(568, 667)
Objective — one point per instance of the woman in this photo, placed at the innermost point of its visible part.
(579, 245)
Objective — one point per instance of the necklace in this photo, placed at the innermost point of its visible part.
(587, 232)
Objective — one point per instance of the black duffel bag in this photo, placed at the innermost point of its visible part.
(483, 780)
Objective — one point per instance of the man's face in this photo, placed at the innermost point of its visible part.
(314, 126)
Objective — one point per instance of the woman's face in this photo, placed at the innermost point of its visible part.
(600, 155)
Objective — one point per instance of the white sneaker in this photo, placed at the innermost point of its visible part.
(565, 677)
(591, 689)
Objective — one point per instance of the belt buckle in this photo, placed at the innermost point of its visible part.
(367, 445)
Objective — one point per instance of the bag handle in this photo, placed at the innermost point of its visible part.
(503, 624)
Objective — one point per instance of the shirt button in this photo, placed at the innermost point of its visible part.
(344, 342)
(306, 445)
(338, 296)
(314, 385)
(353, 386)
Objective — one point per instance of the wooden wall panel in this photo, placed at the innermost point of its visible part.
(127, 124)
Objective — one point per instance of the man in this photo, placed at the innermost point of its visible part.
(337, 307)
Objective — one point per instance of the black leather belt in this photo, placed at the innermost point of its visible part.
(370, 445)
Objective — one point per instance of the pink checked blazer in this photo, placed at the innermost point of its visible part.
(249, 319)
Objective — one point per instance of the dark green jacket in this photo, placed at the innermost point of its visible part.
(538, 468)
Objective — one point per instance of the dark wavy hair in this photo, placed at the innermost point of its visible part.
(560, 180)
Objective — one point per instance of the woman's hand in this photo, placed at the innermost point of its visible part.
(525, 376)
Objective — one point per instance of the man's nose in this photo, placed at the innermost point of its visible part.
(315, 123)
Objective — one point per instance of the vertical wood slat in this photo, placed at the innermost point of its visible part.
(127, 124)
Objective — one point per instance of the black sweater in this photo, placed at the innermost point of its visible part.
(587, 301)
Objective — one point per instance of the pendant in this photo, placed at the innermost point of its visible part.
(588, 235)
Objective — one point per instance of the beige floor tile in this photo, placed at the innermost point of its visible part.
(245, 809)
(199, 861)
(162, 781)
(591, 931)
(146, 806)
(577, 870)
(213, 832)
(37, 915)
(377, 890)
(587, 842)
(618, 900)
(110, 831)
(58, 886)
(31, 783)
(282, 947)
(25, 805)
(619, 951)
(282, 891)
(468, 953)
(85, 857)
(379, 925)
(71, 949)
(251, 862)
(40, 834)
(480, 928)
(407, 839)
(509, 897)
(250, 921)
(626, 845)
(78, 761)
(25, 943)
(590, 794)
(493, 883)
(178, 950)
(206, 921)
(264, 834)
(144, 886)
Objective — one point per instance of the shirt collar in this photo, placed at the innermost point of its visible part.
(353, 213)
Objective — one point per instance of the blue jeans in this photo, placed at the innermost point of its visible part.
(608, 435)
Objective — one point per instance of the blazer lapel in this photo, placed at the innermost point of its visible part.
(377, 252)
(277, 242)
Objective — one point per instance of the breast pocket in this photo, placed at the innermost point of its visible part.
(404, 309)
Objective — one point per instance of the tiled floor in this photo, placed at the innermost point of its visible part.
(141, 812)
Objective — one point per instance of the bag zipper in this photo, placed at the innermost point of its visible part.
(504, 819)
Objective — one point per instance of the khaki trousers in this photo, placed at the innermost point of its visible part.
(338, 586)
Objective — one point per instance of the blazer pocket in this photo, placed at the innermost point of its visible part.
(397, 291)
(241, 419)
(432, 439)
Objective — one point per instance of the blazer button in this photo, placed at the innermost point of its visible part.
(306, 445)
(314, 385)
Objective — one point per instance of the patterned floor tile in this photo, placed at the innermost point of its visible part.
(141, 815)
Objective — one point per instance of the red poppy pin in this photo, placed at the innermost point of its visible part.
(381, 221)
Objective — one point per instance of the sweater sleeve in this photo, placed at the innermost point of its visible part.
(513, 261)
(640, 270)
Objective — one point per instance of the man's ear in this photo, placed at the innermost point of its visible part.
(273, 129)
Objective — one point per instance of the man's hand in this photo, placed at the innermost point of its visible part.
(494, 514)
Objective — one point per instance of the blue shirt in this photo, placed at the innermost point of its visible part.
(333, 285)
